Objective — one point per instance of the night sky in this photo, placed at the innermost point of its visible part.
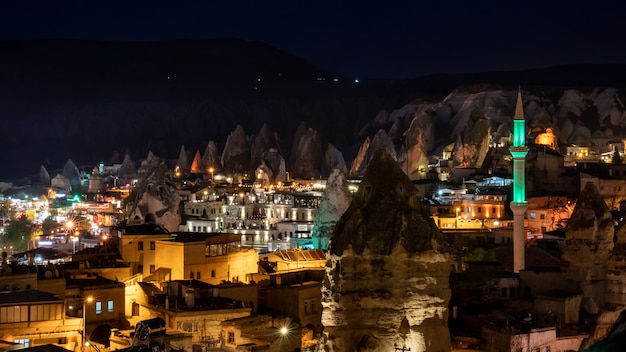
(364, 39)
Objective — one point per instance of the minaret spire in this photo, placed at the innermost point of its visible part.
(519, 204)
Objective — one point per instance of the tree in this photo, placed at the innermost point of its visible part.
(49, 224)
(19, 233)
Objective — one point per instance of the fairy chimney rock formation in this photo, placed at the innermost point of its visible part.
(387, 275)
(588, 244)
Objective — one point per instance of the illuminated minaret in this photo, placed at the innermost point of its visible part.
(519, 204)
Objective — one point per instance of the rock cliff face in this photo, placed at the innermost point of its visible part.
(127, 172)
(211, 158)
(333, 203)
(588, 243)
(155, 197)
(236, 154)
(387, 275)
(306, 155)
(474, 142)
(616, 275)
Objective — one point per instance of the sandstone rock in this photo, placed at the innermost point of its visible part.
(588, 243)
(387, 274)
(333, 203)
(236, 153)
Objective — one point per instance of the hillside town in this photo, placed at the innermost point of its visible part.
(523, 251)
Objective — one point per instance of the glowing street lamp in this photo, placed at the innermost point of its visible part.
(211, 170)
(86, 300)
(69, 225)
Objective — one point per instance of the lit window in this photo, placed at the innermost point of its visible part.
(533, 215)
(98, 307)
(25, 342)
(110, 306)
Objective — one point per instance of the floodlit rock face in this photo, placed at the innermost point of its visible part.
(472, 150)
(306, 155)
(588, 243)
(359, 163)
(236, 154)
(211, 158)
(388, 269)
(380, 141)
(127, 172)
(182, 164)
(333, 203)
(616, 275)
(156, 198)
(333, 159)
(70, 171)
(44, 176)
(272, 167)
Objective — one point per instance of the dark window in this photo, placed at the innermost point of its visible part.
(152, 245)
(231, 337)
(191, 275)
(152, 269)
(213, 273)
(198, 275)
(140, 245)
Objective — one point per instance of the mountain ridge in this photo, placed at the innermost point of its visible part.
(55, 97)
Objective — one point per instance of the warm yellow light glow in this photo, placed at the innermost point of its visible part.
(284, 331)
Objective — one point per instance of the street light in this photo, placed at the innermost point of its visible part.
(211, 171)
(92, 345)
(85, 301)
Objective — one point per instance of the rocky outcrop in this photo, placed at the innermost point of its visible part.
(306, 156)
(182, 164)
(359, 163)
(264, 141)
(333, 203)
(156, 199)
(196, 164)
(236, 154)
(44, 176)
(211, 158)
(588, 243)
(333, 159)
(127, 172)
(387, 275)
(272, 168)
(474, 142)
(70, 172)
